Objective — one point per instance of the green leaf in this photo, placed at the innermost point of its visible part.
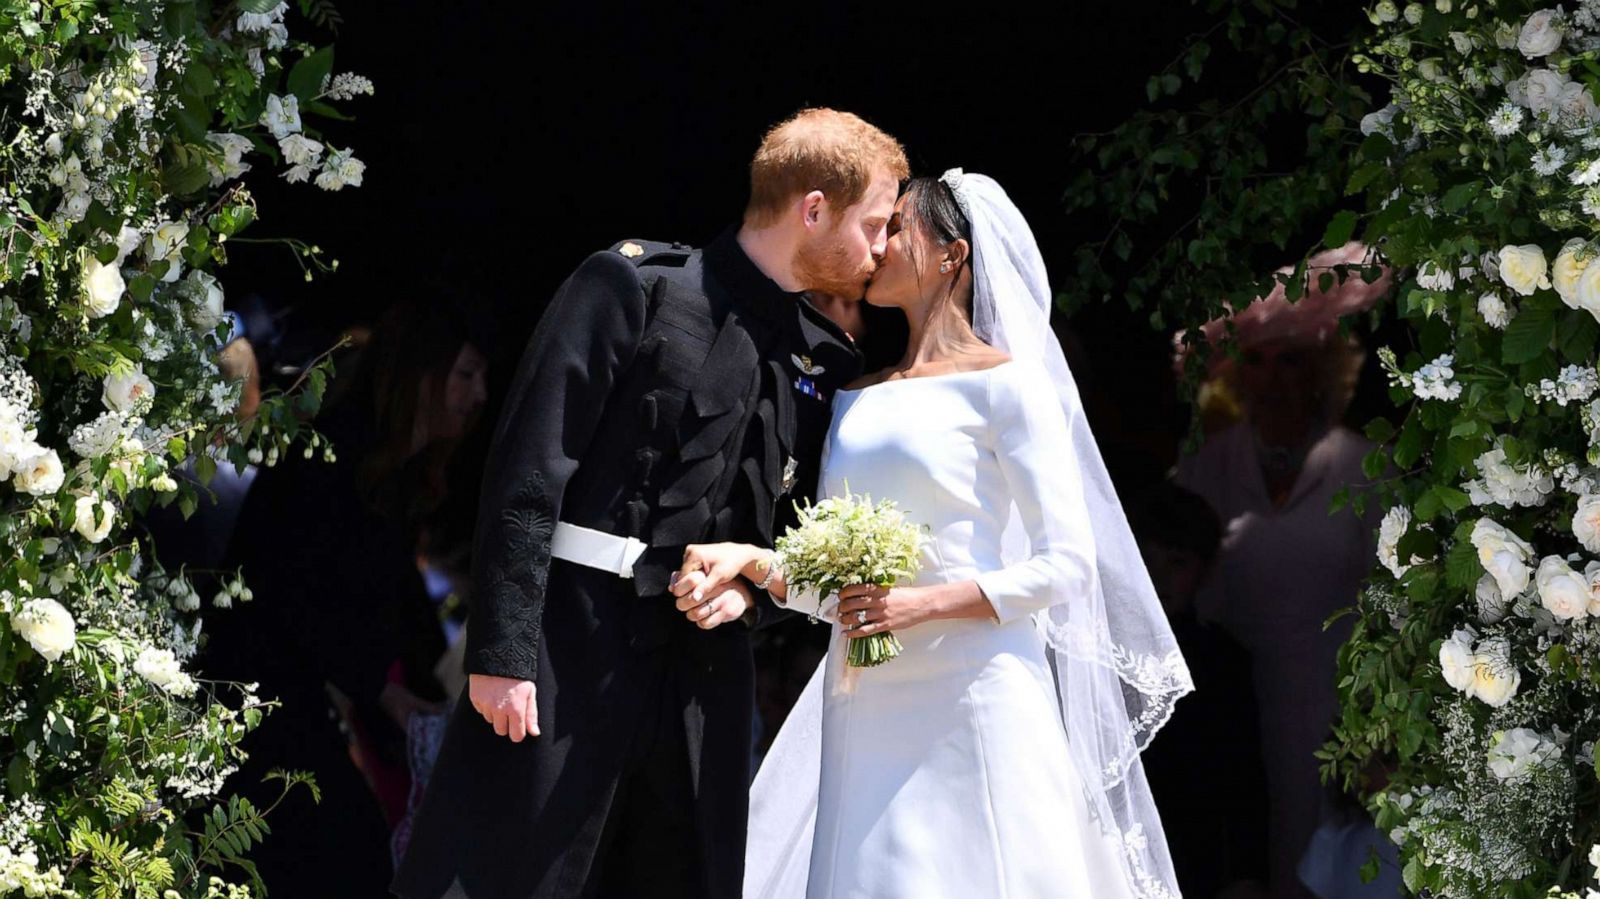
(1461, 566)
(1577, 336)
(1340, 230)
(257, 7)
(1528, 336)
(1379, 430)
(205, 467)
(305, 79)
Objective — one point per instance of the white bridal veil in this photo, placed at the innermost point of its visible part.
(1118, 668)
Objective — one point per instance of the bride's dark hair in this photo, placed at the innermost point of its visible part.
(931, 207)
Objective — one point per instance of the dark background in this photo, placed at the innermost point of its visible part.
(507, 141)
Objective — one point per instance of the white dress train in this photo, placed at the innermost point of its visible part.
(944, 772)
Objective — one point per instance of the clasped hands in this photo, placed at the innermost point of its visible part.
(710, 591)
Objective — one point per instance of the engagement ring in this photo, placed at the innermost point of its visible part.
(861, 617)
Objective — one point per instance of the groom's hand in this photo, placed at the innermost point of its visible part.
(710, 608)
(506, 703)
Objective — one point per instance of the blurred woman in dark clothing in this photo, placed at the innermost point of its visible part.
(341, 630)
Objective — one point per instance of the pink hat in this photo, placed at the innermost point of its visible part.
(1311, 321)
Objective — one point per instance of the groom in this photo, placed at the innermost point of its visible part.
(668, 396)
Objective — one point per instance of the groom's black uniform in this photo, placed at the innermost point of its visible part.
(663, 396)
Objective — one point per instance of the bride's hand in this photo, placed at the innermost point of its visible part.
(717, 564)
(886, 608)
(720, 606)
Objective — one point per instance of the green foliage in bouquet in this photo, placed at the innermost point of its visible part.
(124, 127)
(843, 541)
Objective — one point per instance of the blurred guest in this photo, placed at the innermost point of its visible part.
(1286, 565)
(199, 542)
(341, 621)
(1205, 771)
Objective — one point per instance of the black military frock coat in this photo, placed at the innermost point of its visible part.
(669, 394)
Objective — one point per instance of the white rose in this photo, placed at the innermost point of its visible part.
(1586, 523)
(282, 116)
(1576, 104)
(1456, 660)
(1503, 555)
(1573, 260)
(84, 518)
(166, 244)
(1540, 35)
(160, 667)
(1540, 90)
(1591, 574)
(298, 149)
(1395, 523)
(124, 391)
(1562, 591)
(1589, 291)
(1494, 679)
(47, 626)
(128, 240)
(1524, 269)
(102, 288)
(205, 300)
(1491, 602)
(16, 444)
(39, 473)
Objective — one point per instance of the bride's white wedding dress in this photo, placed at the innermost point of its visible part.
(945, 772)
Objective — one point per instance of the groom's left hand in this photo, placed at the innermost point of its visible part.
(720, 605)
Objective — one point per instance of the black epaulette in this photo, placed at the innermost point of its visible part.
(653, 252)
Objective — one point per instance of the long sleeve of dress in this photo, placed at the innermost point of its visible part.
(585, 340)
(1033, 444)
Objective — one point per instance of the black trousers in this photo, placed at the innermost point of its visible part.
(649, 846)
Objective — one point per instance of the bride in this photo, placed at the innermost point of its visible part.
(998, 755)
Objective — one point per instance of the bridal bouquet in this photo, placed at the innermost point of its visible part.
(847, 540)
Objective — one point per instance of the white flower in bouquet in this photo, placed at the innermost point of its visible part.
(1506, 120)
(1539, 90)
(166, 245)
(1591, 573)
(298, 149)
(95, 438)
(341, 170)
(47, 626)
(1494, 311)
(251, 23)
(1503, 555)
(1586, 523)
(1575, 258)
(127, 391)
(1456, 660)
(1395, 523)
(1385, 12)
(1492, 604)
(1574, 384)
(1524, 269)
(1594, 856)
(348, 86)
(1413, 13)
(1588, 174)
(205, 307)
(93, 517)
(1541, 34)
(102, 288)
(1575, 107)
(1436, 380)
(39, 473)
(1504, 484)
(1549, 160)
(1432, 276)
(1518, 751)
(233, 147)
(282, 115)
(1380, 121)
(1495, 679)
(160, 667)
(844, 541)
(1562, 591)
(128, 240)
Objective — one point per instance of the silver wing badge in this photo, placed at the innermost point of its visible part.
(806, 366)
